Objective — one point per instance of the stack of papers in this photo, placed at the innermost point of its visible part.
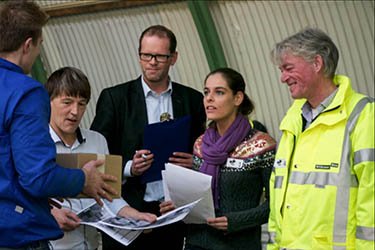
(183, 186)
(189, 190)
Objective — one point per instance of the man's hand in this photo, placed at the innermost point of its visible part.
(166, 206)
(67, 220)
(142, 160)
(128, 211)
(94, 182)
(182, 159)
(220, 223)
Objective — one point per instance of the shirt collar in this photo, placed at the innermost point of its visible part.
(147, 91)
(11, 66)
(80, 137)
(307, 110)
(326, 102)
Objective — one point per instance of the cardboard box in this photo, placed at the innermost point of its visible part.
(112, 165)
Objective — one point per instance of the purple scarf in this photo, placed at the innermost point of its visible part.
(215, 150)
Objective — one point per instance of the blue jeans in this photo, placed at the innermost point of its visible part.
(38, 245)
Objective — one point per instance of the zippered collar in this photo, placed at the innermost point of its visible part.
(291, 121)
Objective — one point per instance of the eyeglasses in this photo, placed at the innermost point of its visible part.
(148, 57)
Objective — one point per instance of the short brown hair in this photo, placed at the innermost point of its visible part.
(161, 32)
(20, 20)
(69, 81)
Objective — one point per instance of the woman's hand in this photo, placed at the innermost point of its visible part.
(166, 206)
(182, 159)
(220, 223)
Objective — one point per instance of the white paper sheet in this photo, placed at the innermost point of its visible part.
(182, 186)
(94, 214)
(165, 219)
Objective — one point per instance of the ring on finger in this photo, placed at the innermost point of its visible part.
(144, 163)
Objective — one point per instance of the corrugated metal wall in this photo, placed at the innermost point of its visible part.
(44, 3)
(249, 29)
(104, 45)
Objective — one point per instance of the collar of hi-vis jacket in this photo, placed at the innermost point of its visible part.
(336, 109)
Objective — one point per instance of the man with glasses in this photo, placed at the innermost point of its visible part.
(122, 112)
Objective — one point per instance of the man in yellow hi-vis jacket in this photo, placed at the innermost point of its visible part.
(322, 185)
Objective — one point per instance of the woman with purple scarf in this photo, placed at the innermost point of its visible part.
(239, 158)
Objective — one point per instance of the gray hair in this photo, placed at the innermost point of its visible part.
(307, 44)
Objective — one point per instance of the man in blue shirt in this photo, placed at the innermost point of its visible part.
(28, 172)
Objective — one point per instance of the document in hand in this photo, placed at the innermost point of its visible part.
(125, 230)
(182, 186)
(162, 139)
(94, 215)
(165, 219)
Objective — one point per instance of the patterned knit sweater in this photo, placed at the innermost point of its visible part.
(240, 192)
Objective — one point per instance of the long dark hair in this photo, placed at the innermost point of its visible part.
(236, 83)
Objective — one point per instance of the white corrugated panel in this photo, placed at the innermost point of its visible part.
(104, 46)
(249, 29)
(50, 3)
(192, 66)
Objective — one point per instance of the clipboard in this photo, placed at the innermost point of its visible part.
(162, 139)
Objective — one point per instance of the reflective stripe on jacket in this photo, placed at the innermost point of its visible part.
(322, 185)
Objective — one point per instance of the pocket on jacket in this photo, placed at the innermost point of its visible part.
(321, 241)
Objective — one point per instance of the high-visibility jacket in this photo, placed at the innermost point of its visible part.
(322, 185)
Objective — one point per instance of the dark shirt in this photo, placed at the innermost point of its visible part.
(240, 192)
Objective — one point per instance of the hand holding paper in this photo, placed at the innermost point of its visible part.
(182, 186)
(66, 218)
(128, 211)
(166, 206)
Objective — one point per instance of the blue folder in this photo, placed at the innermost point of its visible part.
(162, 139)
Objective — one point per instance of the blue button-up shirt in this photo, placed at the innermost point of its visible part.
(28, 172)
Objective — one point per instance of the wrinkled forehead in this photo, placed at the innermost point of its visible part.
(286, 55)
